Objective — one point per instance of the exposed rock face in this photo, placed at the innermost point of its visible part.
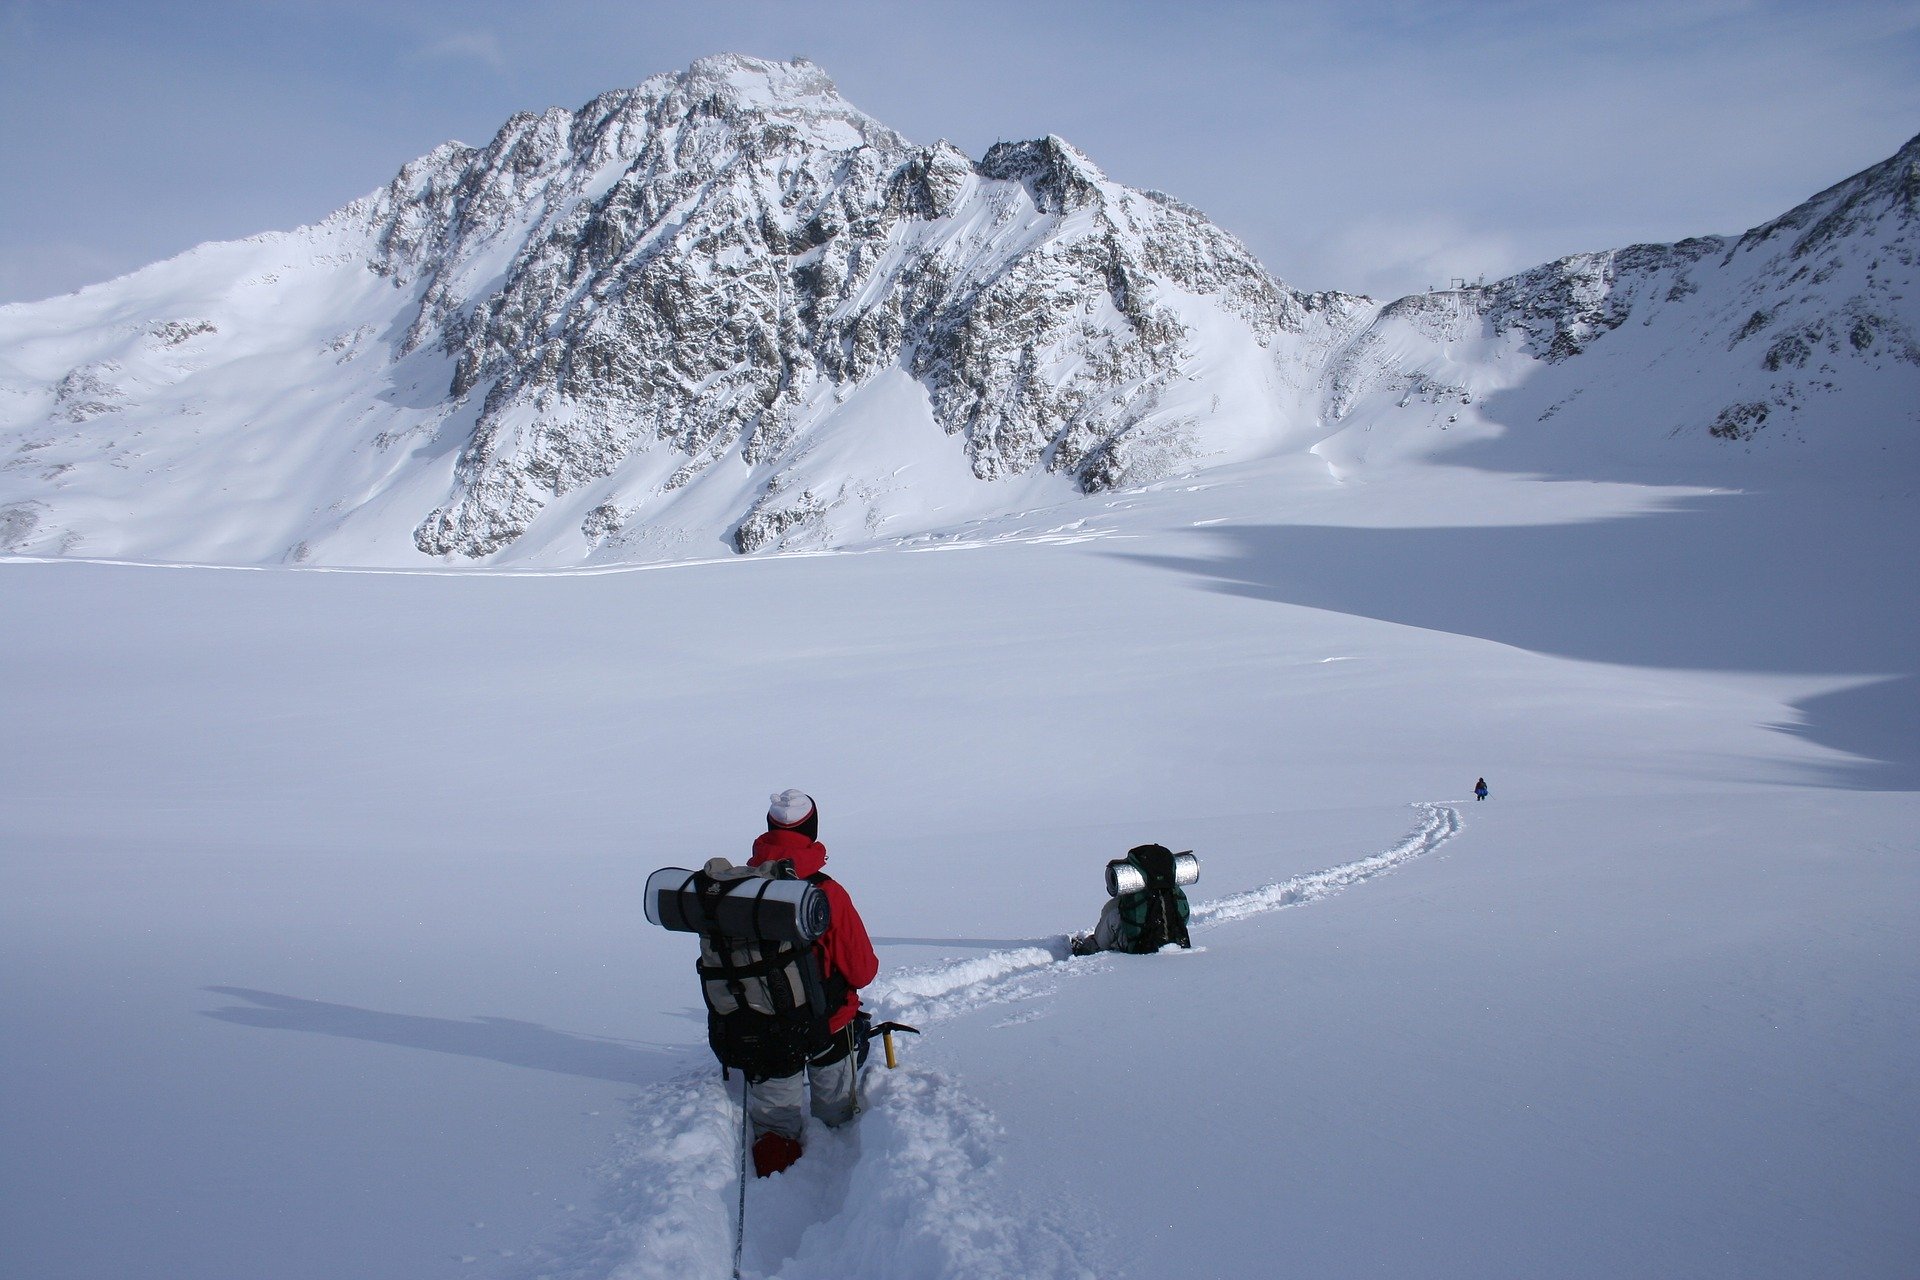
(686, 265)
(1564, 306)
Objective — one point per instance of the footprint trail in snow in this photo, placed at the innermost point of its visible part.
(935, 993)
(910, 1190)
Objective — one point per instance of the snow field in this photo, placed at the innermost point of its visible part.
(347, 865)
(318, 890)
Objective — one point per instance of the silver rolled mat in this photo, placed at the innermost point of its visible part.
(751, 906)
(1124, 877)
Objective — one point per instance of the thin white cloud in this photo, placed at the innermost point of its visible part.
(466, 46)
(1390, 256)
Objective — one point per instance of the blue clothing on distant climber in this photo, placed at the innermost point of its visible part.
(1480, 789)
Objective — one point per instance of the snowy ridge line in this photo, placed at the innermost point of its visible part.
(407, 571)
(957, 539)
(938, 992)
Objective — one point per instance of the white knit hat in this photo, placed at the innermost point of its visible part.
(789, 808)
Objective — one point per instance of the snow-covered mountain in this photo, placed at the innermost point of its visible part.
(1795, 341)
(726, 310)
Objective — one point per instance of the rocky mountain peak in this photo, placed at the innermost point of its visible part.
(1888, 192)
(1059, 176)
(734, 84)
(704, 266)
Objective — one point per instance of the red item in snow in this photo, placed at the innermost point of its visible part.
(774, 1152)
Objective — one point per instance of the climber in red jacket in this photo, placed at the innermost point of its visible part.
(847, 963)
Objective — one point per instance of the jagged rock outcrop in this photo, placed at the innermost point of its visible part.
(698, 260)
(1563, 306)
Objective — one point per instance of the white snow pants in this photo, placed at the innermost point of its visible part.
(780, 1105)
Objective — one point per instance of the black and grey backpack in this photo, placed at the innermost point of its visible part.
(1153, 908)
(767, 1004)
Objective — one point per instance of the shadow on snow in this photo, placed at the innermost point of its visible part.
(520, 1044)
(1737, 583)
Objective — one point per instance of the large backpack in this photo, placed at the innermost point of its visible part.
(768, 1004)
(1152, 917)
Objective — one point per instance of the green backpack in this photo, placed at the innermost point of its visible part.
(1152, 917)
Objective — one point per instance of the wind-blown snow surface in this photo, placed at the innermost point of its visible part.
(319, 895)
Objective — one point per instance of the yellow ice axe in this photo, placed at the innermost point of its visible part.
(885, 1031)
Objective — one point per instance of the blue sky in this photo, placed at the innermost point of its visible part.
(1372, 146)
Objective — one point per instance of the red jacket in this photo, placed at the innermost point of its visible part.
(844, 948)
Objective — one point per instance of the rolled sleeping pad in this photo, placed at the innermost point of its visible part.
(1124, 877)
(752, 906)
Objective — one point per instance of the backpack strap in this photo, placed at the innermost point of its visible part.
(730, 973)
(833, 986)
(706, 889)
(774, 956)
(1156, 914)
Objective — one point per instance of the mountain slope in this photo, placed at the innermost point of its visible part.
(1789, 347)
(560, 335)
(726, 311)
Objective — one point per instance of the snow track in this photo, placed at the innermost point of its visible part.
(909, 1191)
(921, 1202)
(938, 992)
(1438, 824)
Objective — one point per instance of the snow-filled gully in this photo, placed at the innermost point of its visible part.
(901, 1193)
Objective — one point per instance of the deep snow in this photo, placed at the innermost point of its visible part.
(319, 896)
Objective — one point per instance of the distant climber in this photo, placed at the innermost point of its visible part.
(1146, 907)
(1480, 789)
